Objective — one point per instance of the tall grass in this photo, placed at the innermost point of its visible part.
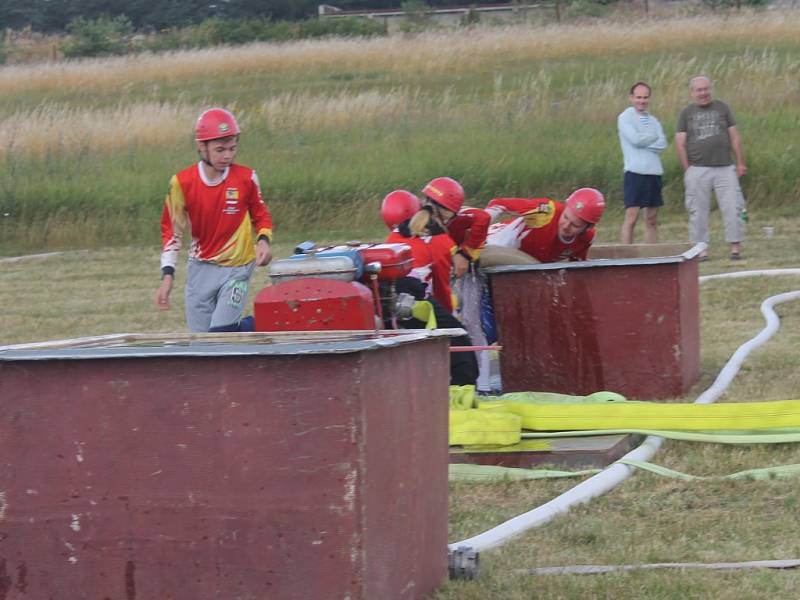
(428, 52)
(332, 125)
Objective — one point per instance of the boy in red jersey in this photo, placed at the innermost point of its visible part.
(467, 226)
(430, 245)
(422, 228)
(547, 230)
(221, 202)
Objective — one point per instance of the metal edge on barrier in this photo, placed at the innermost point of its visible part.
(691, 253)
(195, 345)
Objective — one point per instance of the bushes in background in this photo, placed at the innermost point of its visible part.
(98, 37)
(106, 36)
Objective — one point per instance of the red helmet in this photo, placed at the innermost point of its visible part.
(446, 192)
(588, 204)
(215, 123)
(398, 206)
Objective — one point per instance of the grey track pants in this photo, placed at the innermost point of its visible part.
(215, 295)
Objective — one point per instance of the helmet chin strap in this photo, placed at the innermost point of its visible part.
(204, 155)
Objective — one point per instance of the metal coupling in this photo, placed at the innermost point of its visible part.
(463, 563)
(403, 306)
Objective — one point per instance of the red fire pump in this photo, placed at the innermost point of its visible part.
(334, 288)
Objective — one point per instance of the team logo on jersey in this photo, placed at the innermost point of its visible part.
(539, 216)
(231, 201)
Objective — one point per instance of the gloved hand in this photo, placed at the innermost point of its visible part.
(506, 234)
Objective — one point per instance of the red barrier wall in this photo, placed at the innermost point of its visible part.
(290, 476)
(628, 323)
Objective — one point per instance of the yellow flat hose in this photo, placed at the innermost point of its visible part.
(783, 435)
(650, 416)
(484, 427)
(462, 397)
(540, 412)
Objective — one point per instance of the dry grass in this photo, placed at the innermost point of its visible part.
(751, 80)
(760, 80)
(305, 111)
(51, 127)
(430, 52)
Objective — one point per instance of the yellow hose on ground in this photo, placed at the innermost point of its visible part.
(470, 427)
(493, 422)
(645, 415)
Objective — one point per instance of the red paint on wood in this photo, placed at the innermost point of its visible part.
(242, 477)
(631, 329)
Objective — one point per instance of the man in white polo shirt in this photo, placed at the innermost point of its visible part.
(642, 140)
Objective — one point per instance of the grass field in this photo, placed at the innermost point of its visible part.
(647, 519)
(87, 149)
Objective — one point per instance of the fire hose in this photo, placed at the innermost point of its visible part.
(464, 554)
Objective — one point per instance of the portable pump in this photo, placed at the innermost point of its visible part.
(351, 286)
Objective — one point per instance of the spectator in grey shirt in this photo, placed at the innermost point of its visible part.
(705, 140)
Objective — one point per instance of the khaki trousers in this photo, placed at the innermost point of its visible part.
(699, 183)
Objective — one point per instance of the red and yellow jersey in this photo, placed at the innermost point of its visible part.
(433, 261)
(468, 230)
(221, 215)
(537, 229)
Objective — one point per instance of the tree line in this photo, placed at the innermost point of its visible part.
(54, 16)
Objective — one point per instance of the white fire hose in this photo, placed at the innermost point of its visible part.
(463, 554)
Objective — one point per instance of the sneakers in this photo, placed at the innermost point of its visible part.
(706, 258)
